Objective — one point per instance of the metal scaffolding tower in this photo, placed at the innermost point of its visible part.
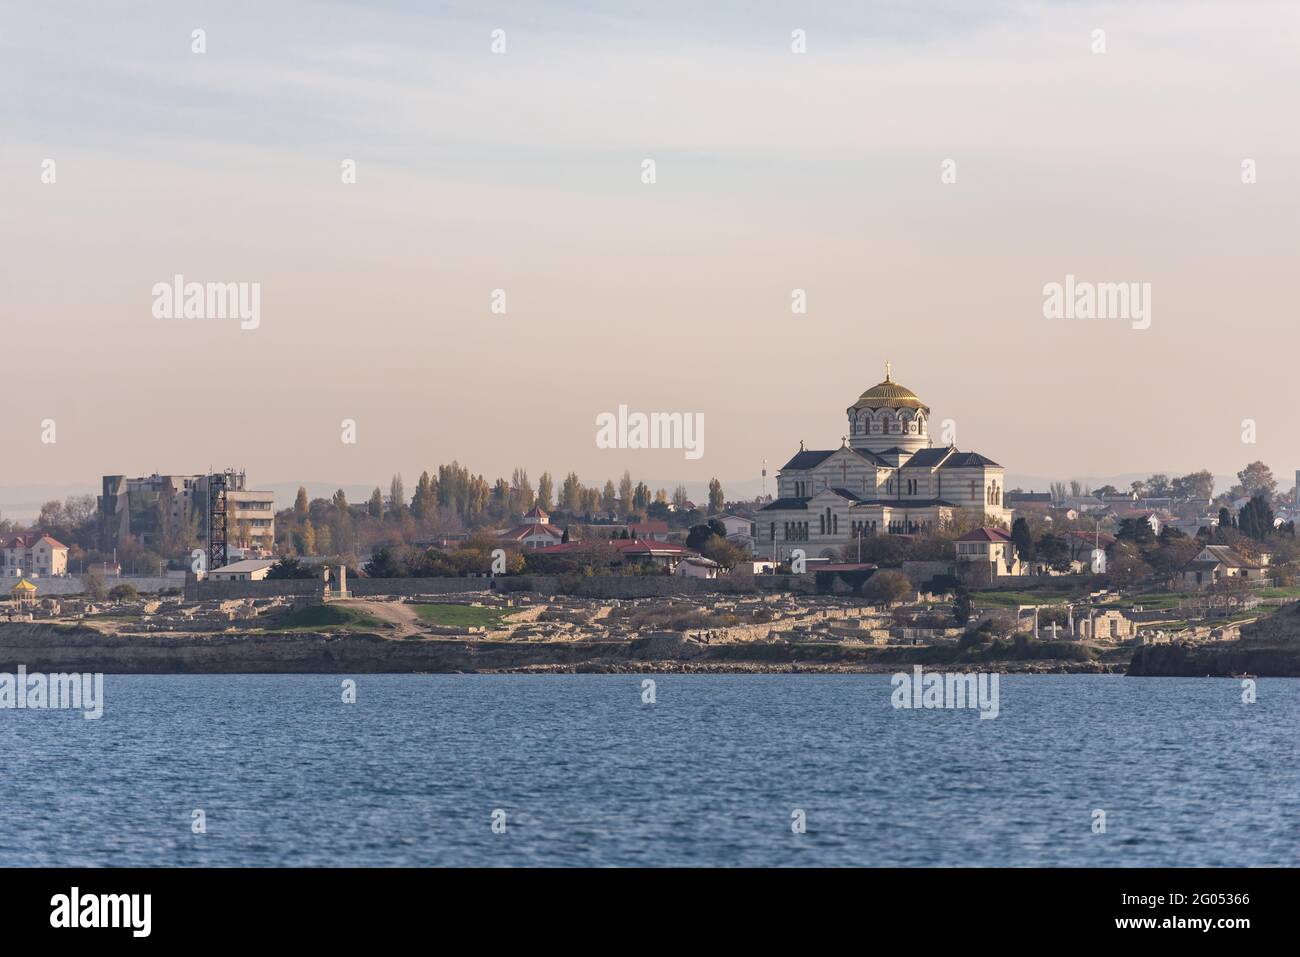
(216, 521)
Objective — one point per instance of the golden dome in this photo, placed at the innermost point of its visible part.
(889, 395)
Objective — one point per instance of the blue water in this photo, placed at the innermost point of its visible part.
(287, 774)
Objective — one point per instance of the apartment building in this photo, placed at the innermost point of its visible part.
(159, 509)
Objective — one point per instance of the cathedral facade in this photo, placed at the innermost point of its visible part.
(884, 479)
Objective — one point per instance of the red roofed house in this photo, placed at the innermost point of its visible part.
(33, 554)
(992, 547)
(536, 531)
(652, 529)
(1082, 544)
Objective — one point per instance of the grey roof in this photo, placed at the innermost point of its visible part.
(908, 502)
(1226, 555)
(929, 458)
(968, 460)
(870, 456)
(807, 459)
(785, 505)
(1028, 497)
(811, 458)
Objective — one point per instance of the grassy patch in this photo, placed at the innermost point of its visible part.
(1009, 599)
(1292, 591)
(1157, 602)
(326, 618)
(462, 616)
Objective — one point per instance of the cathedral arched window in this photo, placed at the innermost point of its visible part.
(835, 524)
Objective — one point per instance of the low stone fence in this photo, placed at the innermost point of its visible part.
(209, 590)
(72, 584)
(600, 586)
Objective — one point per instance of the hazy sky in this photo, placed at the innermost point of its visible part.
(522, 172)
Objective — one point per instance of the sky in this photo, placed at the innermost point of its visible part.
(522, 171)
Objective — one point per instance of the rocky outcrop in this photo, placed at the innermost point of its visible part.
(1217, 660)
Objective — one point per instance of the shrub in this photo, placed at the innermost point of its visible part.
(887, 587)
(92, 583)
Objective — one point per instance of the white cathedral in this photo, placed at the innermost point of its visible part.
(884, 479)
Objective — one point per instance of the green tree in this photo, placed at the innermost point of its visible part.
(424, 503)
(724, 552)
(396, 496)
(1023, 540)
(1054, 550)
(1256, 518)
(545, 491)
(962, 607)
(887, 587)
(571, 493)
(375, 507)
(699, 535)
(1136, 530)
(387, 562)
(300, 504)
(304, 540)
(625, 494)
(290, 567)
(92, 583)
(716, 498)
(1257, 479)
(1198, 485)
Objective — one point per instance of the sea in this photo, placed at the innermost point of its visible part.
(785, 770)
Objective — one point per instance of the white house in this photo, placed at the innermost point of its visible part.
(697, 567)
(992, 547)
(740, 528)
(535, 531)
(249, 570)
(33, 554)
(1214, 563)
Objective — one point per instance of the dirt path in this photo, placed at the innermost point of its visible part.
(400, 615)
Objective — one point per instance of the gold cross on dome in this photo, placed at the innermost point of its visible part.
(889, 368)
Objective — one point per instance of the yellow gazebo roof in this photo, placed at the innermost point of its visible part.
(23, 586)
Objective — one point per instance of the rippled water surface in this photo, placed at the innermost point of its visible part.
(287, 774)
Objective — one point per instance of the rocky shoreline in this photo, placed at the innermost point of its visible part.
(52, 647)
(1221, 660)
